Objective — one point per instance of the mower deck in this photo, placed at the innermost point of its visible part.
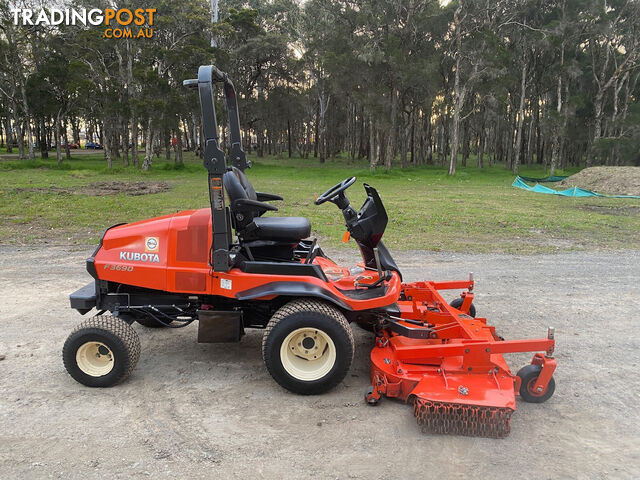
(449, 364)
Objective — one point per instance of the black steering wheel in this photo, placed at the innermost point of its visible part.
(335, 191)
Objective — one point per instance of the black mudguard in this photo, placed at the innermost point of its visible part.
(84, 299)
(292, 289)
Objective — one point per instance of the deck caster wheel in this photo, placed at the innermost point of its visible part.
(457, 303)
(528, 376)
(101, 351)
(370, 397)
(308, 346)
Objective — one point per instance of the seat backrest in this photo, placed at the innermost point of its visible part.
(238, 186)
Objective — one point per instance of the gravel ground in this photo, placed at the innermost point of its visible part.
(212, 411)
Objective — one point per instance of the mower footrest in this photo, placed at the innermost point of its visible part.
(84, 299)
(219, 327)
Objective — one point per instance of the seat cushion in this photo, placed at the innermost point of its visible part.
(281, 228)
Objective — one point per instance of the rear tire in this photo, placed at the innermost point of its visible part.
(308, 346)
(102, 351)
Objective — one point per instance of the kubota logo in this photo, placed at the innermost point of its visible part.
(140, 257)
(151, 244)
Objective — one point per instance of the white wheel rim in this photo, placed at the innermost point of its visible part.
(94, 359)
(308, 354)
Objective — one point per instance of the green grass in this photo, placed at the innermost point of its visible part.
(477, 210)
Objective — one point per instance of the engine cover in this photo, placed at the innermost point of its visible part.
(167, 253)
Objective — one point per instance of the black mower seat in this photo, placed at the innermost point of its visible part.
(251, 225)
(282, 228)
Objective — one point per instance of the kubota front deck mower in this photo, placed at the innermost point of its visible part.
(170, 271)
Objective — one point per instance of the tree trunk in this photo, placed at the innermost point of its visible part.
(27, 121)
(405, 140)
(148, 154)
(187, 136)
(373, 161)
(455, 133)
(555, 151)
(178, 146)
(412, 138)
(393, 132)
(8, 133)
(557, 134)
(20, 134)
(307, 140)
(193, 128)
(107, 147)
(465, 143)
(458, 94)
(289, 137)
(125, 142)
(323, 105)
(316, 133)
(67, 149)
(428, 148)
(523, 91)
(597, 126)
(134, 141)
(482, 146)
(57, 139)
(114, 142)
(167, 144)
(260, 140)
(378, 144)
(530, 143)
(75, 128)
(42, 140)
(499, 144)
(565, 122)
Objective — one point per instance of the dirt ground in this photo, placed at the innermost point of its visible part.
(212, 411)
(608, 180)
(101, 189)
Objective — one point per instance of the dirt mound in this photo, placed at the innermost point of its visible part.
(101, 189)
(607, 180)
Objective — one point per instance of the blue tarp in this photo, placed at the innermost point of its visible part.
(552, 178)
(569, 192)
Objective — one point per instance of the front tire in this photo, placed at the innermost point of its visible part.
(102, 351)
(308, 346)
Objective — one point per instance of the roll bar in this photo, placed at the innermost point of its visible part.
(214, 157)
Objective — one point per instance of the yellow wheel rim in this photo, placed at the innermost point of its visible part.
(308, 354)
(95, 359)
